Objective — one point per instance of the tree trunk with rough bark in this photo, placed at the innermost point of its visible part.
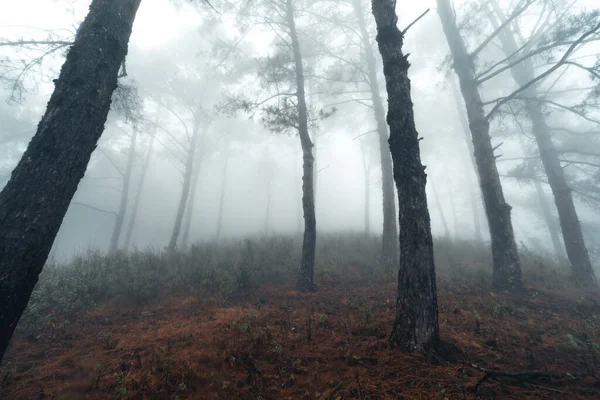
(307, 265)
(506, 263)
(416, 324)
(222, 197)
(118, 227)
(389, 249)
(36, 198)
(523, 73)
(138, 196)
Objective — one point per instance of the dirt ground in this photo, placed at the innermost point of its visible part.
(275, 343)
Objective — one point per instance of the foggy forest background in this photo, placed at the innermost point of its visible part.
(246, 177)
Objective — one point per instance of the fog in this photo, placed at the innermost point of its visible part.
(299, 199)
(182, 55)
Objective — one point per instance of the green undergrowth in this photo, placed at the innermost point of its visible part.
(231, 267)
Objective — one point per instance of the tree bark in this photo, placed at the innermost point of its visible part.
(222, 197)
(118, 227)
(138, 196)
(523, 73)
(307, 264)
(36, 198)
(416, 323)
(389, 249)
(185, 190)
(507, 266)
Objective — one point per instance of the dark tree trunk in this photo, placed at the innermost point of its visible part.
(138, 196)
(118, 227)
(551, 225)
(577, 252)
(507, 266)
(476, 190)
(389, 250)
(416, 323)
(185, 190)
(190, 206)
(307, 264)
(222, 198)
(440, 209)
(36, 198)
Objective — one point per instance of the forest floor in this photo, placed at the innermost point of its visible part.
(275, 343)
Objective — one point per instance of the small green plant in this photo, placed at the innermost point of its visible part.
(323, 321)
(242, 323)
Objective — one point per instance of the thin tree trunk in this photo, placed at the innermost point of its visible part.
(416, 324)
(138, 196)
(389, 249)
(222, 197)
(474, 189)
(577, 252)
(507, 266)
(118, 227)
(36, 198)
(190, 206)
(551, 226)
(440, 209)
(185, 190)
(307, 265)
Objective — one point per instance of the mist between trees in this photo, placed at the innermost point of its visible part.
(176, 127)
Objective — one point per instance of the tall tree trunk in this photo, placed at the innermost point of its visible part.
(307, 265)
(551, 226)
(440, 209)
(222, 197)
(474, 189)
(36, 198)
(185, 190)
(507, 266)
(118, 227)
(523, 73)
(416, 323)
(389, 249)
(190, 206)
(138, 196)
